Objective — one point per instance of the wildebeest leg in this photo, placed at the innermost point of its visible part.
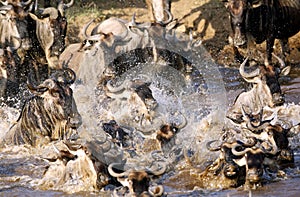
(285, 48)
(237, 56)
(270, 44)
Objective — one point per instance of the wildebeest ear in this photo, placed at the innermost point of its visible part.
(34, 17)
(40, 89)
(35, 90)
(285, 71)
(256, 3)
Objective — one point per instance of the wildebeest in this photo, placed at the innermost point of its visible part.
(264, 20)
(51, 114)
(259, 127)
(75, 161)
(139, 96)
(48, 28)
(8, 77)
(266, 89)
(138, 181)
(116, 132)
(255, 158)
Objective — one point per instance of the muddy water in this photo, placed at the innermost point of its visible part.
(21, 168)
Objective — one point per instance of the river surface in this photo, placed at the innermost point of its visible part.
(21, 168)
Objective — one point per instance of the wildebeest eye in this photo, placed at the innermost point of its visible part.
(55, 93)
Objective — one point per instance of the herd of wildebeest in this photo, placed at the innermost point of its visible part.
(38, 70)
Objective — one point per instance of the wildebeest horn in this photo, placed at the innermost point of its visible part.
(157, 190)
(71, 75)
(158, 171)
(62, 6)
(53, 13)
(208, 146)
(170, 18)
(245, 74)
(281, 62)
(115, 174)
(243, 152)
(94, 37)
(118, 88)
(262, 123)
(47, 84)
(26, 3)
(256, 4)
(6, 8)
(67, 5)
(133, 23)
(183, 123)
(13, 48)
(84, 30)
(4, 2)
(273, 149)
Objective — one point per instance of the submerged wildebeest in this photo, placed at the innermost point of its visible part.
(138, 181)
(51, 114)
(266, 89)
(139, 97)
(264, 20)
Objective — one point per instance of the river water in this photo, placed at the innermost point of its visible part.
(22, 167)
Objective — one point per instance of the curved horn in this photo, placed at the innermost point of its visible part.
(208, 146)
(62, 6)
(6, 7)
(53, 13)
(170, 18)
(281, 62)
(248, 75)
(184, 122)
(115, 174)
(262, 123)
(133, 23)
(47, 84)
(144, 77)
(158, 171)
(118, 88)
(256, 4)
(71, 75)
(26, 3)
(84, 30)
(4, 2)
(67, 5)
(13, 48)
(157, 190)
(273, 149)
(239, 153)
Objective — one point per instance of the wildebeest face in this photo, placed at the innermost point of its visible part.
(254, 167)
(58, 97)
(237, 19)
(59, 29)
(145, 93)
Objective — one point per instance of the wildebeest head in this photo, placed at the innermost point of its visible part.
(13, 27)
(253, 159)
(51, 31)
(58, 100)
(138, 181)
(268, 76)
(238, 10)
